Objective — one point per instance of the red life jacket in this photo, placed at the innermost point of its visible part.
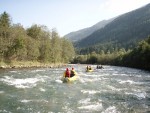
(67, 73)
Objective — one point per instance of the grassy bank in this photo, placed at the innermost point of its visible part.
(28, 64)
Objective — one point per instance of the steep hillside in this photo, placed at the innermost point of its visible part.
(124, 31)
(81, 34)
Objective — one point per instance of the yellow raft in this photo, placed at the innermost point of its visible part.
(71, 79)
(91, 70)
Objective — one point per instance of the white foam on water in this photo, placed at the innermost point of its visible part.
(94, 76)
(59, 81)
(111, 109)
(120, 74)
(85, 101)
(126, 81)
(81, 74)
(113, 88)
(5, 111)
(96, 79)
(114, 74)
(43, 90)
(103, 78)
(88, 75)
(90, 91)
(123, 74)
(95, 107)
(109, 69)
(43, 78)
(20, 83)
(18, 108)
(2, 92)
(42, 100)
(38, 70)
(67, 109)
(14, 71)
(139, 95)
(83, 80)
(25, 101)
(86, 80)
(102, 75)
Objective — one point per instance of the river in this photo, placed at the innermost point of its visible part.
(109, 90)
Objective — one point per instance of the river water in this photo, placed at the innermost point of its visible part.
(109, 90)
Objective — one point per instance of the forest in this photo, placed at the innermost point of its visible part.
(138, 57)
(36, 43)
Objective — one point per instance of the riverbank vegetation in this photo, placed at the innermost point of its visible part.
(34, 44)
(138, 57)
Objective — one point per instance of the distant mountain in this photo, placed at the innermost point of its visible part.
(124, 31)
(81, 34)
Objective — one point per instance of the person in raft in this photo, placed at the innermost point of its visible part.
(87, 68)
(90, 68)
(67, 73)
(72, 73)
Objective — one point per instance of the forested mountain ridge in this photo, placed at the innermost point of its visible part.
(83, 33)
(124, 31)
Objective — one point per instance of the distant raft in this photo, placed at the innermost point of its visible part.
(89, 70)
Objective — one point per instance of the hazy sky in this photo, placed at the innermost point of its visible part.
(66, 15)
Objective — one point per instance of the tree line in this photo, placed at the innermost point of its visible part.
(36, 43)
(138, 57)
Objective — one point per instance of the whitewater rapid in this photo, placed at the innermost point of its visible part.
(109, 90)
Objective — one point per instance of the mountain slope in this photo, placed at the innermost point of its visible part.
(81, 34)
(123, 31)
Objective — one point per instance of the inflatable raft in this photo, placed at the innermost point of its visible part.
(69, 79)
(89, 70)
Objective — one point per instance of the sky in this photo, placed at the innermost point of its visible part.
(66, 15)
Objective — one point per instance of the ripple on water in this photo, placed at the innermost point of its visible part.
(27, 101)
(93, 107)
(85, 101)
(111, 109)
(126, 81)
(113, 88)
(138, 95)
